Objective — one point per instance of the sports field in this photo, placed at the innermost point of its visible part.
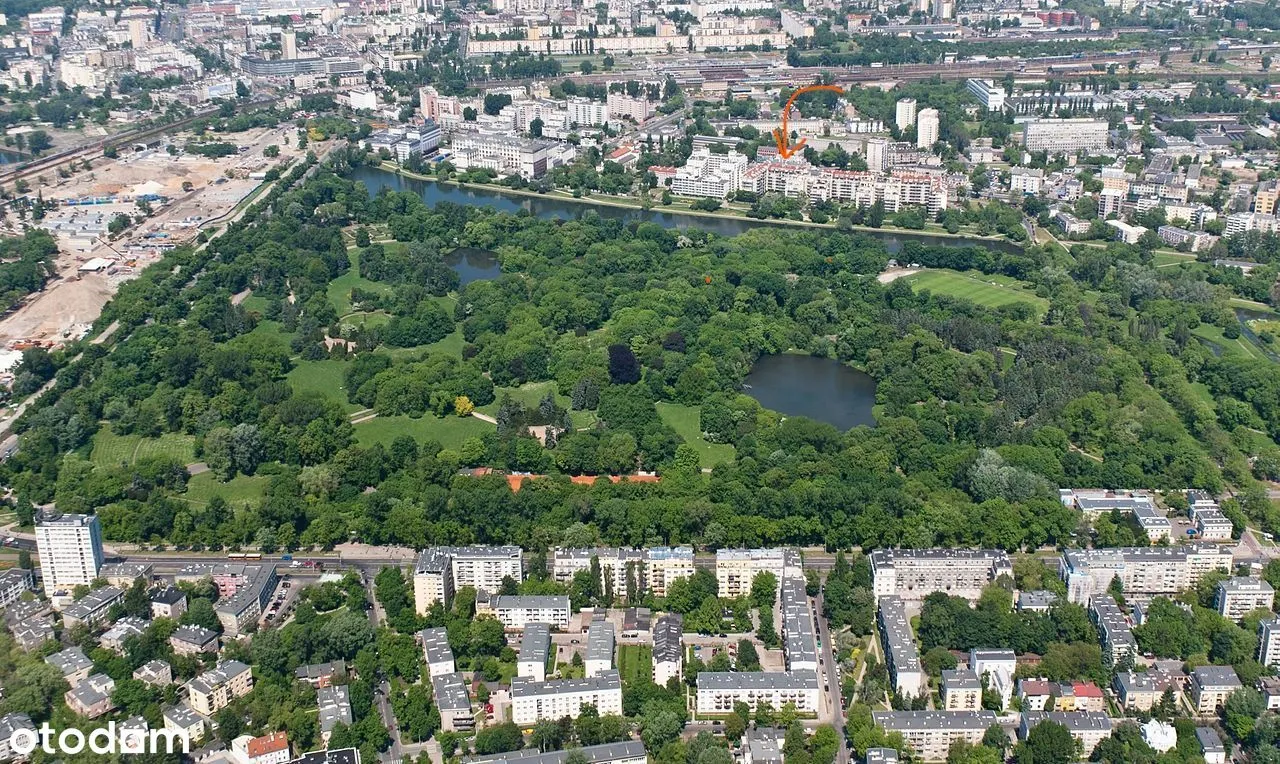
(991, 291)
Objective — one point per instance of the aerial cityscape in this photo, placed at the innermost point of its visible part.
(639, 381)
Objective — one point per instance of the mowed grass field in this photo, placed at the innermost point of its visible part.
(449, 431)
(531, 394)
(324, 377)
(242, 489)
(988, 290)
(685, 420)
(112, 450)
(635, 663)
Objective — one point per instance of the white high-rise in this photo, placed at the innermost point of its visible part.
(70, 549)
(906, 113)
(877, 154)
(927, 128)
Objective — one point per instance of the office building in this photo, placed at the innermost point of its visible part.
(668, 649)
(931, 733)
(532, 702)
(535, 651)
(451, 698)
(600, 644)
(626, 752)
(1145, 571)
(913, 574)
(718, 691)
(1088, 727)
(927, 128)
(215, 689)
(1065, 136)
(1240, 596)
(961, 690)
(901, 656)
(515, 611)
(988, 93)
(526, 157)
(1114, 630)
(437, 652)
(1211, 686)
(70, 550)
(905, 113)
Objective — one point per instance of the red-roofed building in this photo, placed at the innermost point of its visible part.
(269, 749)
(1088, 697)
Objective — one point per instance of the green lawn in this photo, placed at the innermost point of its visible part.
(254, 304)
(369, 320)
(112, 450)
(635, 663)
(531, 394)
(1236, 347)
(1162, 258)
(984, 289)
(339, 290)
(242, 489)
(325, 377)
(271, 330)
(450, 431)
(685, 421)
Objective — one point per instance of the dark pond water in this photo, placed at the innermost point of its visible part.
(473, 264)
(556, 209)
(819, 388)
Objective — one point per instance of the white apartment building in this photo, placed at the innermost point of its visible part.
(213, 690)
(535, 649)
(1129, 234)
(913, 574)
(905, 113)
(927, 128)
(440, 571)
(13, 582)
(1026, 180)
(1118, 642)
(1269, 642)
(432, 580)
(517, 611)
(621, 571)
(1065, 136)
(668, 649)
(585, 112)
(437, 652)
(877, 154)
(931, 733)
(531, 701)
(1142, 570)
(1242, 222)
(901, 656)
(709, 175)
(718, 691)
(736, 569)
(961, 690)
(600, 644)
(998, 667)
(449, 692)
(70, 549)
(988, 93)
(665, 565)
(1240, 596)
(1088, 727)
(1195, 240)
(1211, 686)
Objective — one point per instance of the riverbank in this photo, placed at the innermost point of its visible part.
(618, 203)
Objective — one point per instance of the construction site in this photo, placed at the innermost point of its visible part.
(164, 193)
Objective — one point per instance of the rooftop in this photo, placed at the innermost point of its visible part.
(605, 680)
(760, 680)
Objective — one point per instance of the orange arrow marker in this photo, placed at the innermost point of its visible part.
(782, 134)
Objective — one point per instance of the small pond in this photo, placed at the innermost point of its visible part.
(473, 264)
(818, 388)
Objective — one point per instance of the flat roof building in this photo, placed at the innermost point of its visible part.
(600, 645)
(913, 574)
(516, 611)
(535, 651)
(901, 655)
(451, 698)
(437, 652)
(931, 733)
(532, 701)
(70, 550)
(668, 649)
(718, 691)
(1088, 727)
(1237, 597)
(1144, 571)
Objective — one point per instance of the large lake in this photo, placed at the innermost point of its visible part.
(548, 208)
(818, 388)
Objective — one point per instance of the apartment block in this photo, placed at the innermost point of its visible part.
(1146, 571)
(440, 571)
(600, 645)
(931, 733)
(532, 701)
(505, 155)
(626, 752)
(192, 640)
(70, 550)
(1113, 629)
(1088, 727)
(997, 666)
(799, 634)
(1137, 692)
(432, 580)
(451, 698)
(913, 574)
(1065, 136)
(215, 689)
(91, 609)
(718, 691)
(1211, 686)
(516, 611)
(709, 175)
(333, 705)
(1240, 596)
(668, 649)
(535, 651)
(1269, 642)
(665, 565)
(901, 655)
(436, 651)
(961, 690)
(621, 571)
(72, 663)
(736, 569)
(13, 582)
